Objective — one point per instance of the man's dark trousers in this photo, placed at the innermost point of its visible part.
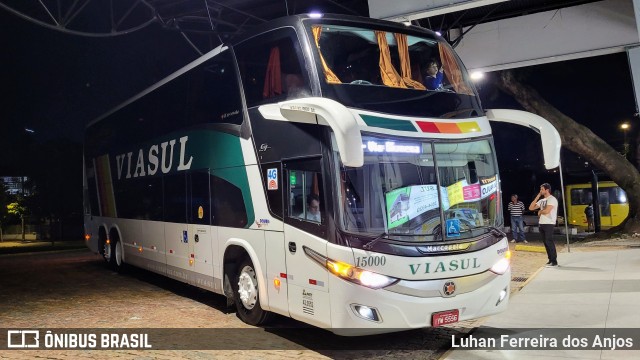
(547, 238)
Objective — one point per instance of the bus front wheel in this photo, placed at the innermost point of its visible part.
(246, 295)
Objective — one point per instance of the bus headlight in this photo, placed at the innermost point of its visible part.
(359, 276)
(501, 266)
(351, 273)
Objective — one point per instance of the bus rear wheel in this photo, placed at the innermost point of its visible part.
(105, 251)
(113, 252)
(246, 295)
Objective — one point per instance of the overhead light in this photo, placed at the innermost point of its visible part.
(477, 75)
(407, 23)
(315, 15)
(438, 33)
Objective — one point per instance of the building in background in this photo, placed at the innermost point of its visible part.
(17, 185)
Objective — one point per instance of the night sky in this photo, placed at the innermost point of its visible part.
(55, 83)
(596, 92)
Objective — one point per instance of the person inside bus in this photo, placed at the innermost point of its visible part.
(313, 209)
(434, 77)
(588, 212)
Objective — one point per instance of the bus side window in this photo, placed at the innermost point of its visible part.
(228, 205)
(199, 198)
(214, 92)
(271, 68)
(175, 198)
(305, 196)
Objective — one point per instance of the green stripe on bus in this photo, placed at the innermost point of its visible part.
(238, 177)
(223, 156)
(387, 123)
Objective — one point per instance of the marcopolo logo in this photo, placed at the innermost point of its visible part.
(23, 339)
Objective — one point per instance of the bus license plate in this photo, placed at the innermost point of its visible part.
(445, 317)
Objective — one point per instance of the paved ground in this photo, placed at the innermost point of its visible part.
(19, 246)
(594, 291)
(73, 289)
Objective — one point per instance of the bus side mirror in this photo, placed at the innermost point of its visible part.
(550, 137)
(322, 111)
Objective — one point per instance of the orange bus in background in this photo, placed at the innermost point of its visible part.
(614, 206)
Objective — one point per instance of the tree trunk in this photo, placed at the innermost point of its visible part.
(579, 139)
(22, 218)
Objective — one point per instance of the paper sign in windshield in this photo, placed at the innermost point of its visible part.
(404, 204)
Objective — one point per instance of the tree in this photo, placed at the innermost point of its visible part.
(16, 208)
(581, 140)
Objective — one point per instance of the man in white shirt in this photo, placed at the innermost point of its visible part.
(313, 209)
(548, 213)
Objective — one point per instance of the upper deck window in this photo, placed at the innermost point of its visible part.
(271, 68)
(401, 73)
(373, 57)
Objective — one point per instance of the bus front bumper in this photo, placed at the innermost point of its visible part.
(357, 310)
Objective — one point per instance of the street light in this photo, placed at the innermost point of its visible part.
(625, 126)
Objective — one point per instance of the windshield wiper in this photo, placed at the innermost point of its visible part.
(456, 113)
(495, 231)
(369, 245)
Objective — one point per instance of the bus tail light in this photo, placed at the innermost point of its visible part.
(351, 273)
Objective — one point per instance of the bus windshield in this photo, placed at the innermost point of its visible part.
(409, 187)
(404, 74)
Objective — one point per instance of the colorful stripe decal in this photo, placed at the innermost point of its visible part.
(448, 128)
(105, 186)
(424, 126)
(386, 123)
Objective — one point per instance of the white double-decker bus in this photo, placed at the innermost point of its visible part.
(336, 170)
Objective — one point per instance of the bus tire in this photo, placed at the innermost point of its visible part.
(103, 248)
(246, 295)
(116, 261)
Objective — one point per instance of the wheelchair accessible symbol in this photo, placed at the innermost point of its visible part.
(453, 227)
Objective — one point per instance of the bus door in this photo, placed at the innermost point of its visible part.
(619, 205)
(305, 227)
(605, 206)
(200, 232)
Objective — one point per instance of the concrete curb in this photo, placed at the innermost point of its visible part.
(531, 248)
(21, 253)
(530, 278)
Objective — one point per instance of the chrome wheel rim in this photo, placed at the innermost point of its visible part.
(247, 287)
